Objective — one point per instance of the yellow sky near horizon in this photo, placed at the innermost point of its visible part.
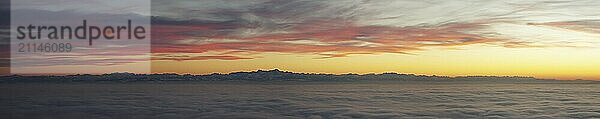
(549, 63)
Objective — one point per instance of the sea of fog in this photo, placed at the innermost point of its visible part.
(314, 100)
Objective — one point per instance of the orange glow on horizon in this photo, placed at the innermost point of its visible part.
(485, 61)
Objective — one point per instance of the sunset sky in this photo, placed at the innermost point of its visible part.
(541, 38)
(105, 56)
(558, 39)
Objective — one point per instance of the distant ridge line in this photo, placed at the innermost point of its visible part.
(261, 75)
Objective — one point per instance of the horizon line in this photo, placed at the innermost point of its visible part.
(277, 69)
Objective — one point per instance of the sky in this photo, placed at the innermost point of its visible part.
(555, 39)
(104, 56)
(542, 38)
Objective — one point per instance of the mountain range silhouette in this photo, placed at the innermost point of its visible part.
(260, 75)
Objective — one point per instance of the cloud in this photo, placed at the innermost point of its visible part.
(141, 7)
(301, 100)
(102, 53)
(591, 26)
(343, 28)
(184, 58)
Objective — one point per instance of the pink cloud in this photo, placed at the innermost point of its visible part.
(327, 38)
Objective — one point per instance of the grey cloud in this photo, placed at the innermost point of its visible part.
(304, 100)
(102, 52)
(375, 23)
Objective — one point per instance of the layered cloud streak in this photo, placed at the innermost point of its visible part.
(232, 30)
